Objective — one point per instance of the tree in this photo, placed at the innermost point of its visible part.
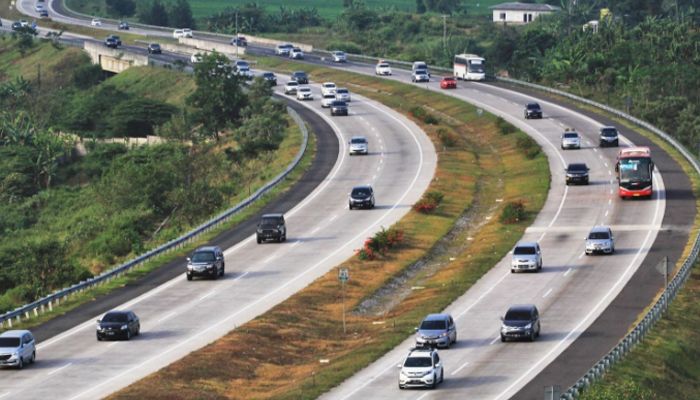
(154, 13)
(120, 8)
(181, 15)
(138, 117)
(218, 98)
(420, 7)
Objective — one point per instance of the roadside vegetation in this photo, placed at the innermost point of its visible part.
(78, 196)
(472, 185)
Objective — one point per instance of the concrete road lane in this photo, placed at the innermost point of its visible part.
(180, 316)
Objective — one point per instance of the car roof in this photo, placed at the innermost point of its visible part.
(341, 89)
(358, 137)
(526, 244)
(293, 82)
(273, 215)
(298, 73)
(572, 165)
(362, 187)
(207, 248)
(436, 317)
(522, 307)
(421, 351)
(532, 103)
(329, 83)
(17, 333)
(600, 228)
(119, 312)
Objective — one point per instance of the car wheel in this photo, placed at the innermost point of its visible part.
(138, 330)
(532, 336)
(223, 269)
(539, 267)
(512, 271)
(189, 277)
(400, 387)
(259, 240)
(215, 275)
(284, 237)
(434, 384)
(20, 363)
(128, 334)
(442, 376)
(99, 339)
(31, 360)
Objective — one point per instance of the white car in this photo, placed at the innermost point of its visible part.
(527, 256)
(244, 72)
(283, 49)
(327, 100)
(359, 145)
(342, 94)
(570, 140)
(420, 75)
(182, 33)
(382, 68)
(17, 348)
(96, 22)
(196, 58)
(291, 87)
(421, 368)
(328, 88)
(304, 93)
(296, 54)
(339, 56)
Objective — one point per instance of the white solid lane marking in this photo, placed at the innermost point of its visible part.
(610, 173)
(60, 369)
(166, 316)
(580, 256)
(609, 201)
(207, 295)
(607, 212)
(458, 316)
(561, 205)
(391, 365)
(547, 293)
(460, 368)
(5, 394)
(423, 396)
(567, 271)
(596, 150)
(606, 164)
(332, 218)
(495, 340)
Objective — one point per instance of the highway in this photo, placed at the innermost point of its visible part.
(571, 291)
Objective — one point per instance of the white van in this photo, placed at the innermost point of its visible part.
(186, 33)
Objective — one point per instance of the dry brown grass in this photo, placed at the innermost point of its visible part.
(277, 354)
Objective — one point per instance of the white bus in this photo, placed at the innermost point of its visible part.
(469, 67)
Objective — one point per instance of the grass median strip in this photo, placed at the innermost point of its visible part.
(278, 355)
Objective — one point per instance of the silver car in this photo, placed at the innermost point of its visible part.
(527, 256)
(359, 145)
(339, 56)
(437, 330)
(17, 348)
(570, 140)
(342, 94)
(600, 240)
(291, 87)
(327, 100)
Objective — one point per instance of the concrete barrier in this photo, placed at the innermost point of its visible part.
(113, 60)
(210, 45)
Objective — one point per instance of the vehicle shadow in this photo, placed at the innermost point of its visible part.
(469, 381)
(555, 269)
(387, 207)
(469, 343)
(155, 335)
(310, 239)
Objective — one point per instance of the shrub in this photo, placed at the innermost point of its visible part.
(447, 137)
(348, 47)
(513, 212)
(381, 243)
(420, 113)
(529, 146)
(504, 127)
(429, 202)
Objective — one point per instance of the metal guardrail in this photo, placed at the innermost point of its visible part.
(640, 330)
(50, 301)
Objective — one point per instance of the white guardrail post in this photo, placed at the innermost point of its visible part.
(54, 299)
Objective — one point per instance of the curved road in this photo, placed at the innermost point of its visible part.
(572, 291)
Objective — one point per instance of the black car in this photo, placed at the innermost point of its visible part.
(44, 13)
(301, 77)
(339, 108)
(521, 322)
(123, 26)
(154, 48)
(19, 26)
(113, 41)
(206, 261)
(118, 325)
(533, 110)
(270, 78)
(272, 227)
(362, 197)
(577, 173)
(609, 136)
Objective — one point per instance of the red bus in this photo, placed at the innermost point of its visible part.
(634, 172)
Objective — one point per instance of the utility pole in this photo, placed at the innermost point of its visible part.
(236, 34)
(444, 31)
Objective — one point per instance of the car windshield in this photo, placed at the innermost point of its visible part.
(635, 169)
(609, 132)
(299, 74)
(418, 362)
(155, 46)
(329, 85)
(292, 83)
(339, 53)
(338, 104)
(360, 192)
(524, 250)
(341, 91)
(329, 96)
(421, 72)
(577, 167)
(448, 78)
(304, 89)
(203, 256)
(383, 65)
(599, 235)
(9, 342)
(358, 140)
(533, 106)
(115, 317)
(433, 325)
(270, 221)
(571, 135)
(517, 315)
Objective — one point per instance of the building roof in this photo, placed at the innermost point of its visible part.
(524, 7)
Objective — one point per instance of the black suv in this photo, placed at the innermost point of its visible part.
(154, 48)
(206, 261)
(301, 77)
(608, 136)
(533, 110)
(361, 196)
(577, 173)
(118, 324)
(113, 41)
(123, 26)
(339, 108)
(272, 227)
(521, 322)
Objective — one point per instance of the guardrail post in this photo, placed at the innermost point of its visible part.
(50, 307)
(9, 322)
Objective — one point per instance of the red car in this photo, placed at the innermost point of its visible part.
(448, 82)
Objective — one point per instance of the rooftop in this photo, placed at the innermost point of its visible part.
(524, 7)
